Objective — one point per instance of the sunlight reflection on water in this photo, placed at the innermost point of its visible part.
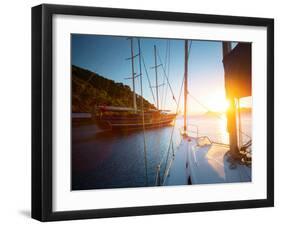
(216, 127)
(102, 159)
(213, 127)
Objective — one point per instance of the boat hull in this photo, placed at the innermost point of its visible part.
(135, 123)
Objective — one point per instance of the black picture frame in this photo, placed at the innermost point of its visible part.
(42, 111)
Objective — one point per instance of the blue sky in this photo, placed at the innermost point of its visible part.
(106, 56)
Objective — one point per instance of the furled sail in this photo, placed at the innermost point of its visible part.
(238, 71)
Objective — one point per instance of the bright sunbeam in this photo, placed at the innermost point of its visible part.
(217, 102)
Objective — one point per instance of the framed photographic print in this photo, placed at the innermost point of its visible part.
(146, 112)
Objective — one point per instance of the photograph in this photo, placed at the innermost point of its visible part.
(154, 111)
(140, 112)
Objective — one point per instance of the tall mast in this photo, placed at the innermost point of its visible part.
(140, 68)
(231, 116)
(185, 84)
(155, 60)
(226, 48)
(142, 110)
(133, 75)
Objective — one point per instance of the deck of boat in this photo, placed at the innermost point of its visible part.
(206, 164)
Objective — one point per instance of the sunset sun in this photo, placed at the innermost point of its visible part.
(217, 102)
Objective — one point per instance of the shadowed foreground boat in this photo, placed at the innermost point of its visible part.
(200, 161)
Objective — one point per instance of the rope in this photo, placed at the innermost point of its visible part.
(166, 91)
(216, 114)
(202, 105)
(166, 59)
(165, 74)
(172, 133)
(150, 86)
(177, 109)
(166, 77)
(143, 126)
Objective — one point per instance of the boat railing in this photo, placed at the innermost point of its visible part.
(194, 129)
(218, 138)
(158, 177)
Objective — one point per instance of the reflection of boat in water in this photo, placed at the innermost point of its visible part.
(198, 160)
(125, 118)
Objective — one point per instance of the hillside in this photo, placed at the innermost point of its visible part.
(243, 110)
(212, 113)
(90, 90)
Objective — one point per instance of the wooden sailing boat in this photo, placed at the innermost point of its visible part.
(120, 118)
(198, 160)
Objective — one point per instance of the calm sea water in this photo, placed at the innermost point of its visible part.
(106, 159)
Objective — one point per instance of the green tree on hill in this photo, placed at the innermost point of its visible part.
(90, 90)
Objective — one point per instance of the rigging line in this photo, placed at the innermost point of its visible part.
(165, 173)
(179, 98)
(166, 53)
(202, 105)
(245, 134)
(150, 86)
(239, 122)
(142, 108)
(165, 65)
(216, 114)
(166, 62)
(205, 106)
(166, 77)
(177, 109)
(171, 137)
(172, 133)
(166, 73)
(166, 91)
